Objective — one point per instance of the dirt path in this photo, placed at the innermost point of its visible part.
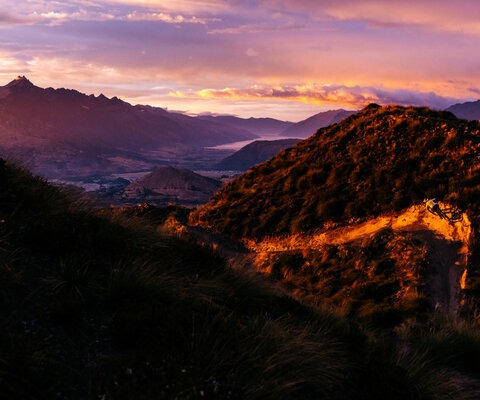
(446, 244)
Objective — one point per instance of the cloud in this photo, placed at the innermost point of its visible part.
(168, 18)
(12, 19)
(335, 95)
(443, 15)
(13, 65)
(475, 90)
(179, 6)
(56, 13)
(249, 50)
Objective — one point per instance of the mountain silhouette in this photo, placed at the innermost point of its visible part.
(63, 131)
(469, 110)
(259, 126)
(254, 153)
(310, 125)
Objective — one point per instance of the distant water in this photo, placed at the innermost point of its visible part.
(238, 145)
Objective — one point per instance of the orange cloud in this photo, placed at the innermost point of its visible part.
(334, 95)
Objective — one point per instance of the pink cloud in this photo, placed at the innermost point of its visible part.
(353, 97)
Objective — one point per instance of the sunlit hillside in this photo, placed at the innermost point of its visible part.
(381, 159)
(297, 212)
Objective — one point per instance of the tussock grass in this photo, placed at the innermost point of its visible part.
(97, 307)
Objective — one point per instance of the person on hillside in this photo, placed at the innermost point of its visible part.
(432, 206)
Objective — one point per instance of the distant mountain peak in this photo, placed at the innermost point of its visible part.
(20, 82)
(469, 110)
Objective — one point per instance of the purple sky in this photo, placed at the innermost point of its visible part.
(286, 59)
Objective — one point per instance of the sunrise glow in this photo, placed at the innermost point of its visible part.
(286, 59)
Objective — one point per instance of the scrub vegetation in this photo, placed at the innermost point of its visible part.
(104, 304)
(378, 160)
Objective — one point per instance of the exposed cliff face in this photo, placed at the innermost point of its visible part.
(424, 248)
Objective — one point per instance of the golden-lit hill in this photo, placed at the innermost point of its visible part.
(381, 159)
(383, 268)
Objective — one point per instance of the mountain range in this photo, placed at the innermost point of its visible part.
(61, 132)
(259, 126)
(309, 126)
(469, 110)
(260, 151)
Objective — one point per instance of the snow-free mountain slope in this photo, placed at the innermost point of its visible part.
(255, 153)
(379, 160)
(469, 110)
(259, 126)
(57, 131)
(309, 126)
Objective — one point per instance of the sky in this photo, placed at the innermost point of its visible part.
(285, 59)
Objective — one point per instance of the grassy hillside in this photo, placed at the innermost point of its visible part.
(381, 159)
(381, 280)
(102, 307)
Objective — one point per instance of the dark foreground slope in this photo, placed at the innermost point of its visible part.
(102, 308)
(93, 308)
(379, 160)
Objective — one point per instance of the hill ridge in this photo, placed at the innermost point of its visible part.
(380, 159)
